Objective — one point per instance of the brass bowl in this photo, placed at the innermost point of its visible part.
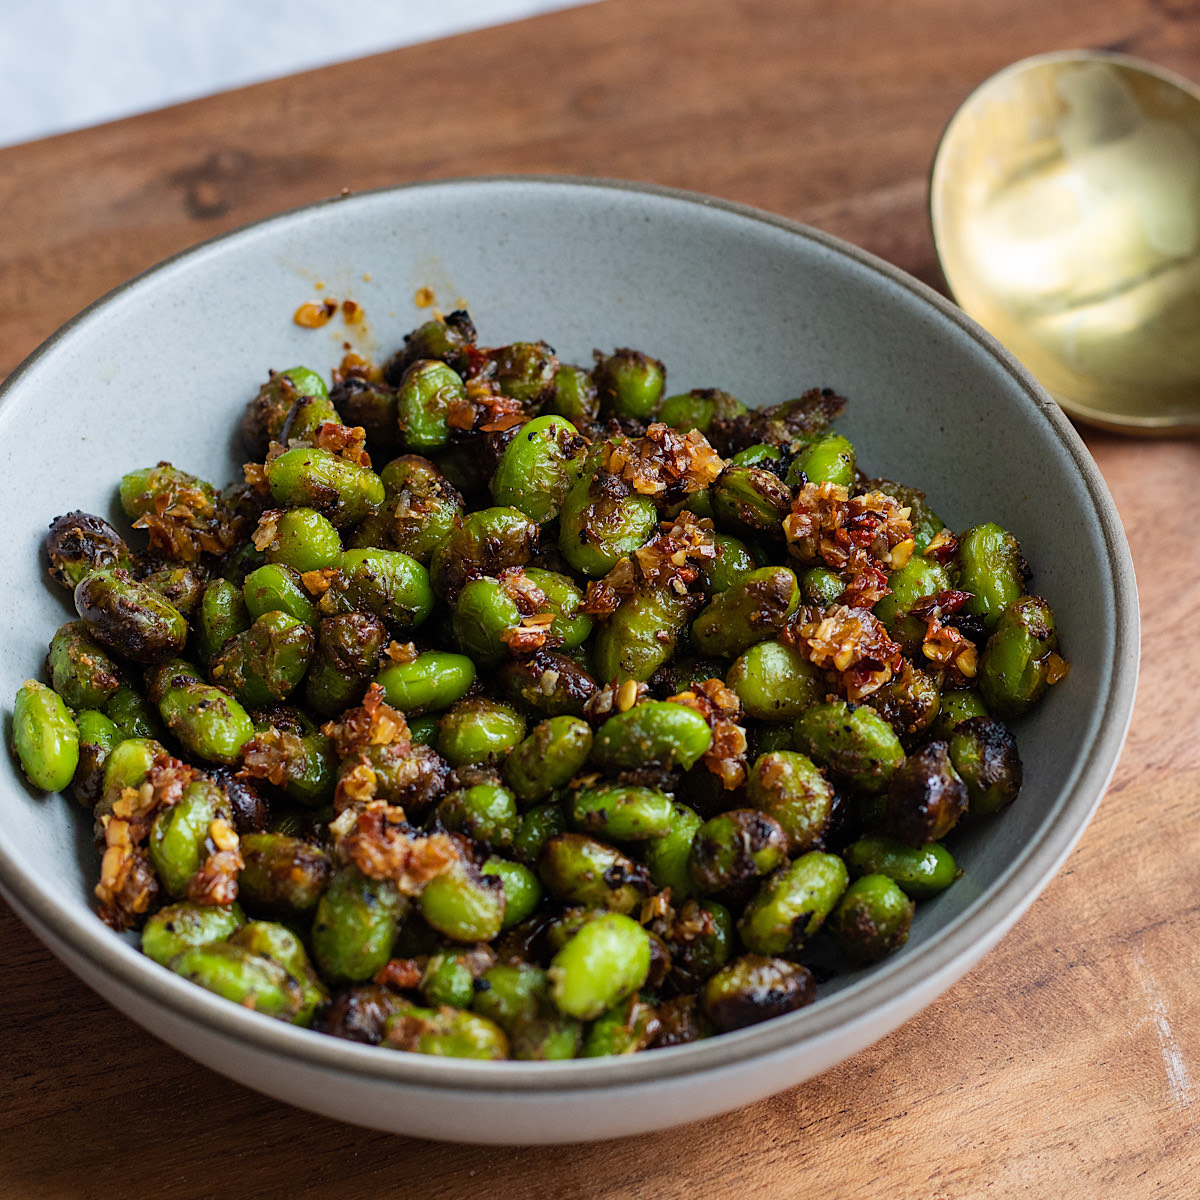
(1065, 201)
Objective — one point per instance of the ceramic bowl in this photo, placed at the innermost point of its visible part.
(728, 297)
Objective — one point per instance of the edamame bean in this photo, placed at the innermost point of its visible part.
(925, 797)
(208, 721)
(640, 636)
(751, 500)
(607, 960)
(537, 827)
(918, 578)
(80, 543)
(283, 875)
(307, 477)
(419, 513)
(538, 468)
(788, 787)
(991, 568)
(483, 614)
(484, 543)
(581, 870)
(574, 396)
(392, 586)
(129, 618)
(478, 729)
(596, 531)
(266, 663)
(956, 707)
(821, 586)
(522, 889)
(449, 339)
(262, 422)
(920, 871)
(445, 1032)
(97, 738)
(872, 919)
(423, 401)
(563, 597)
(829, 459)
(654, 733)
(429, 683)
(731, 852)
(853, 742)
(1014, 671)
(630, 1025)
(222, 615)
(485, 812)
(80, 672)
(553, 754)
(629, 383)
(755, 988)
(179, 834)
(279, 944)
(733, 562)
(793, 904)
(754, 608)
(246, 978)
(45, 736)
(371, 405)
(984, 753)
(464, 904)
(546, 684)
(775, 682)
(305, 541)
(621, 811)
(698, 409)
(349, 647)
(666, 856)
(355, 925)
(275, 587)
(174, 928)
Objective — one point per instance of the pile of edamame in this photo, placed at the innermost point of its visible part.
(595, 720)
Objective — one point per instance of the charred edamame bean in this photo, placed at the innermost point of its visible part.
(222, 615)
(208, 721)
(418, 513)
(754, 608)
(283, 875)
(596, 530)
(574, 396)
(80, 671)
(262, 422)
(423, 400)
(79, 543)
(787, 786)
(793, 904)
(553, 753)
(180, 833)
(446, 1032)
(640, 636)
(698, 409)
(629, 383)
(1019, 661)
(129, 618)
(246, 978)
(872, 919)
(537, 827)
(829, 459)
(464, 904)
(546, 684)
(485, 812)
(309, 477)
(853, 742)
(751, 501)
(733, 851)
(925, 797)
(622, 811)
(175, 927)
(449, 339)
(387, 584)
(349, 647)
(630, 1025)
(732, 563)
(755, 988)
(355, 925)
(483, 543)
(538, 468)
(522, 889)
(984, 753)
(917, 579)
(266, 663)
(666, 856)
(275, 587)
(582, 870)
(97, 738)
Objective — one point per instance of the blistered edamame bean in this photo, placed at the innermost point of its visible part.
(80, 671)
(45, 736)
(485, 812)
(522, 889)
(872, 919)
(419, 512)
(305, 541)
(537, 827)
(97, 738)
(920, 871)
(208, 722)
(246, 978)
(464, 904)
(174, 928)
(177, 839)
(347, 654)
(755, 988)
(281, 945)
(990, 567)
(574, 396)
(128, 764)
(597, 531)
(1014, 671)
(477, 729)
(483, 613)
(852, 741)
(262, 422)
(371, 405)
(547, 684)
(553, 753)
(449, 339)
(829, 459)
(607, 960)
(640, 636)
(538, 468)
(733, 562)
(391, 585)
(787, 786)
(276, 588)
(307, 477)
(793, 904)
(621, 811)
(698, 409)
(355, 925)
(581, 870)
(283, 875)
(630, 1025)
(655, 733)
(445, 1032)
(821, 586)
(666, 856)
(423, 401)
(984, 753)
(563, 597)
(731, 852)
(222, 615)
(909, 701)
(484, 543)
(925, 797)
(79, 543)
(264, 664)
(129, 618)
(751, 500)
(431, 682)
(918, 578)
(629, 384)
(152, 489)
(956, 707)
(702, 946)
(754, 608)
(775, 682)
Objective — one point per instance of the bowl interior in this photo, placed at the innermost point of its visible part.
(163, 367)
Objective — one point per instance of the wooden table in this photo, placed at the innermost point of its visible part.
(1065, 1064)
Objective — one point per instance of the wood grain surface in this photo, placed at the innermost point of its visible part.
(1067, 1064)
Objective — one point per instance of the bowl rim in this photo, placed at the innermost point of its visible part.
(856, 1010)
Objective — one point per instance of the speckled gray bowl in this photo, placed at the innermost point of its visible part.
(730, 298)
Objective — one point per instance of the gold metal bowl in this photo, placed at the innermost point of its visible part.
(1065, 201)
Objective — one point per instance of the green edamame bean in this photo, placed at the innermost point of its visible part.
(821, 586)
(666, 857)
(751, 500)
(698, 409)
(1014, 671)
(763, 455)
(595, 532)
(793, 904)
(511, 991)
(522, 889)
(485, 812)
(306, 477)
(155, 489)
(787, 786)
(222, 615)
(172, 929)
(423, 731)
(179, 834)
(283, 875)
(262, 422)
(180, 587)
(80, 671)
(640, 636)
(429, 683)
(621, 811)
(574, 396)
(305, 541)
(45, 736)
(477, 729)
(607, 960)
(355, 925)
(392, 586)
(246, 978)
(984, 753)
(128, 764)
(872, 919)
(853, 742)
(447, 339)
(829, 459)
(279, 944)
(79, 543)
(464, 904)
(419, 513)
(306, 416)
(538, 468)
(275, 587)
(654, 733)
(129, 618)
(775, 682)
(423, 401)
(629, 383)
(483, 613)
(920, 871)
(919, 577)
(732, 564)
(630, 1025)
(991, 568)
(755, 988)
(563, 597)
(546, 684)
(208, 722)
(448, 979)
(734, 850)
(266, 663)
(97, 737)
(537, 827)
(581, 870)
(751, 610)
(681, 1020)
(553, 754)
(956, 707)
(347, 654)
(484, 543)
(445, 1032)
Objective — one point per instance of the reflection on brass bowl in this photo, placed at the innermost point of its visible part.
(1065, 201)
